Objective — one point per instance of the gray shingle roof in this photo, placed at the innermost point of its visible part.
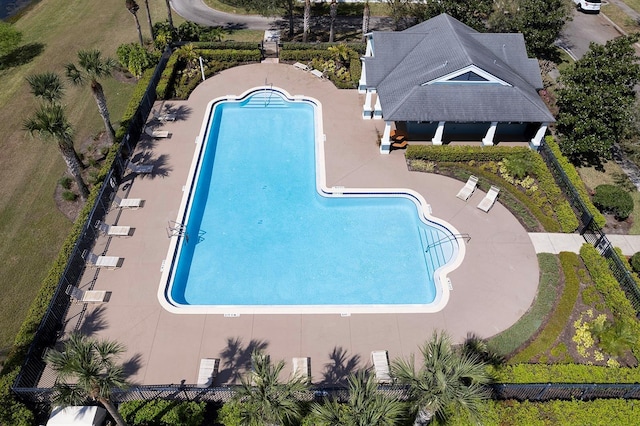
(405, 61)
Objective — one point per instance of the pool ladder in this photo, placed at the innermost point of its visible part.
(448, 238)
(177, 229)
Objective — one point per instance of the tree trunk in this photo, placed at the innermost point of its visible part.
(423, 418)
(169, 14)
(305, 22)
(113, 411)
(135, 17)
(366, 14)
(146, 5)
(333, 12)
(73, 166)
(98, 95)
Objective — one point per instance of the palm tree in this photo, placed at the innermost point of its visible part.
(305, 21)
(447, 380)
(46, 86)
(87, 368)
(366, 405)
(92, 68)
(264, 400)
(366, 14)
(50, 122)
(169, 14)
(133, 7)
(333, 12)
(146, 5)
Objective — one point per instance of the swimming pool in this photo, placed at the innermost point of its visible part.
(259, 232)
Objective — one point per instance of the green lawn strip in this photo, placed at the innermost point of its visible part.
(560, 316)
(620, 18)
(516, 335)
(377, 9)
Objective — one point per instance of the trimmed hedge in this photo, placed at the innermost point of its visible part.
(599, 412)
(561, 315)
(619, 306)
(305, 55)
(159, 412)
(222, 45)
(231, 55)
(545, 204)
(357, 46)
(576, 181)
(167, 79)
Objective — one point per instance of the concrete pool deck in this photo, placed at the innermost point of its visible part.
(493, 287)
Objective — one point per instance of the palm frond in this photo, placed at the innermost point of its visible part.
(47, 86)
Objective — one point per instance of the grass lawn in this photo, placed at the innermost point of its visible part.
(612, 175)
(620, 18)
(31, 228)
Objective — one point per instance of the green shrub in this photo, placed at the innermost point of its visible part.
(159, 412)
(231, 55)
(359, 47)
(65, 182)
(164, 89)
(230, 414)
(613, 199)
(221, 45)
(305, 55)
(635, 262)
(69, 196)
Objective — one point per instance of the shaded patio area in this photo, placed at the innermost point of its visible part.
(493, 287)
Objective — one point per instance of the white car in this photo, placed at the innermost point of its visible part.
(592, 6)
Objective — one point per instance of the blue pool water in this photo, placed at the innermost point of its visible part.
(260, 234)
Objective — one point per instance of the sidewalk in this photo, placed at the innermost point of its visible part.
(555, 243)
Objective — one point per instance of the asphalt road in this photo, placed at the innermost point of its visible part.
(586, 28)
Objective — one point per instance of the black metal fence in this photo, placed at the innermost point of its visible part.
(590, 231)
(53, 320)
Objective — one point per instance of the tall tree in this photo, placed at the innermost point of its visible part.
(46, 86)
(146, 6)
(88, 368)
(470, 12)
(133, 8)
(366, 406)
(271, 8)
(169, 17)
(305, 20)
(92, 67)
(333, 13)
(366, 15)
(448, 379)
(264, 400)
(539, 21)
(50, 123)
(596, 100)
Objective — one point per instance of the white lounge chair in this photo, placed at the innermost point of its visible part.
(127, 203)
(158, 134)
(207, 372)
(302, 368)
(92, 259)
(380, 360)
(317, 73)
(113, 231)
(489, 199)
(88, 296)
(140, 168)
(301, 66)
(468, 188)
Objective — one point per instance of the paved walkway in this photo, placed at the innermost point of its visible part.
(555, 243)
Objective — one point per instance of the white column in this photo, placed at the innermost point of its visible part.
(437, 138)
(385, 142)
(377, 109)
(369, 51)
(362, 83)
(367, 112)
(535, 141)
(488, 138)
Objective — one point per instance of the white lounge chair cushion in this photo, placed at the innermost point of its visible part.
(489, 199)
(127, 202)
(468, 188)
(208, 371)
(302, 368)
(380, 361)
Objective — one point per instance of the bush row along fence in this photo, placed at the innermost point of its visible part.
(54, 319)
(26, 385)
(591, 232)
(538, 392)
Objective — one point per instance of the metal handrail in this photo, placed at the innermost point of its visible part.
(449, 238)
